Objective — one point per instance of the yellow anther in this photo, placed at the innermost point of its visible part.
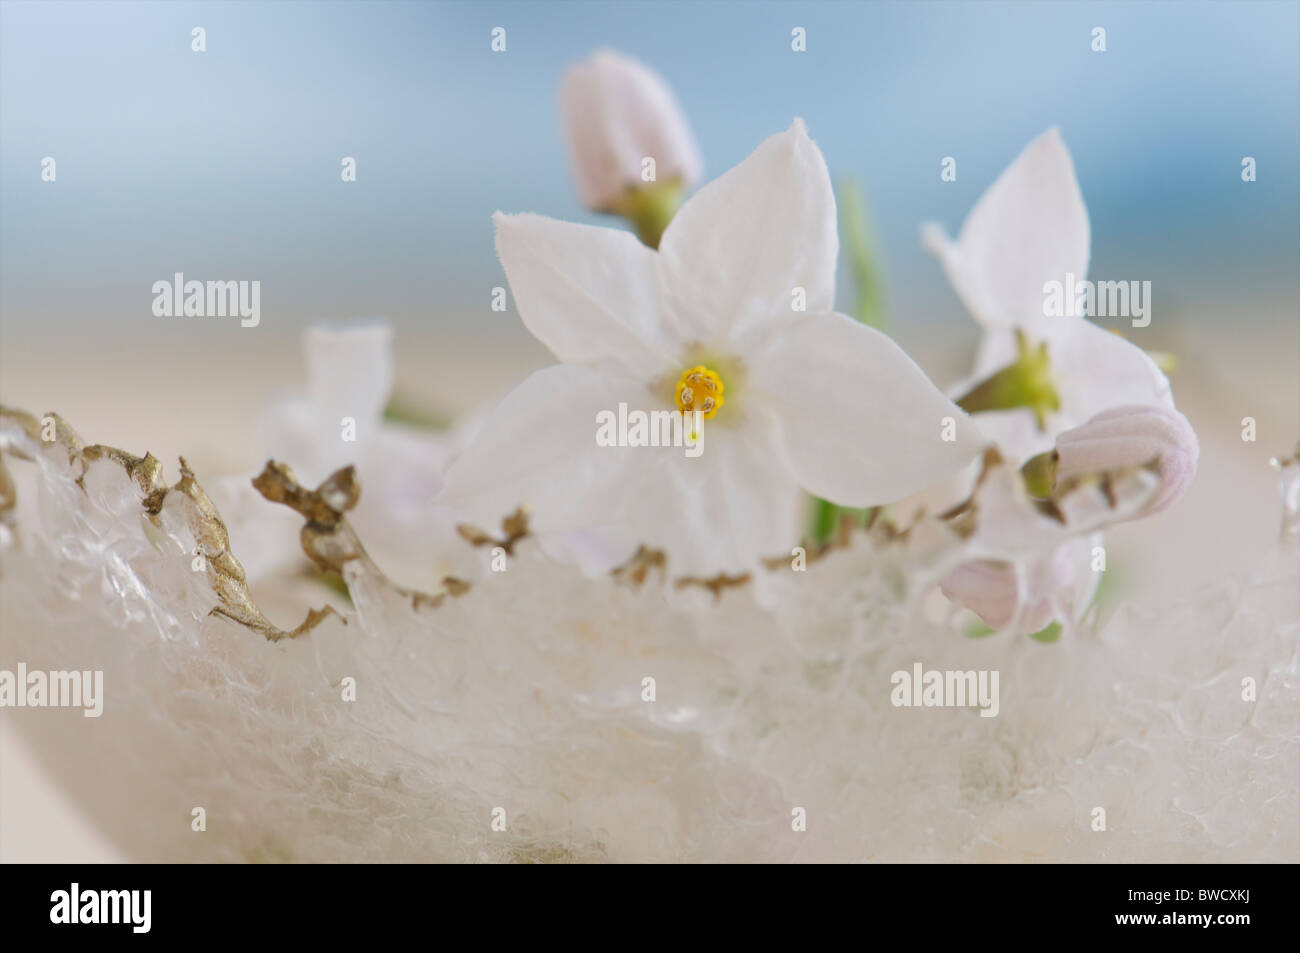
(699, 389)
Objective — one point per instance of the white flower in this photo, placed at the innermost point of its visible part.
(1033, 569)
(811, 399)
(618, 112)
(349, 377)
(339, 421)
(1028, 596)
(1030, 228)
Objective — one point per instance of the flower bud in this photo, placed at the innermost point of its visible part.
(987, 587)
(1132, 437)
(617, 114)
(1055, 587)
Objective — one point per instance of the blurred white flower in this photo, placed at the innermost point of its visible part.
(339, 421)
(812, 398)
(1028, 596)
(617, 113)
(1030, 228)
(349, 377)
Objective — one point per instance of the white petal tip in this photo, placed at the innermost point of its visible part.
(1052, 140)
(934, 239)
(512, 223)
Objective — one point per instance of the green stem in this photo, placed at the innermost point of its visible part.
(826, 516)
(862, 260)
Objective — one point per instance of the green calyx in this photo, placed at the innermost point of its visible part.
(1026, 382)
(649, 208)
(1039, 474)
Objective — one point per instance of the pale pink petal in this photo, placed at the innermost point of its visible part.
(618, 112)
(1129, 437)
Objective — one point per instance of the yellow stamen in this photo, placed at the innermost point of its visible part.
(699, 389)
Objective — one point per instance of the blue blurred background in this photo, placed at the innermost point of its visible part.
(225, 164)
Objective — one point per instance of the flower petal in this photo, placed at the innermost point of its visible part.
(736, 251)
(720, 511)
(349, 375)
(988, 587)
(861, 424)
(728, 508)
(1097, 369)
(1058, 586)
(538, 449)
(349, 370)
(1030, 227)
(1094, 369)
(589, 294)
(1129, 437)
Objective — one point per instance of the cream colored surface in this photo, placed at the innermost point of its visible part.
(1227, 519)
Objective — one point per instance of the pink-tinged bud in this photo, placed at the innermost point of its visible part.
(986, 587)
(1054, 587)
(617, 114)
(1131, 437)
